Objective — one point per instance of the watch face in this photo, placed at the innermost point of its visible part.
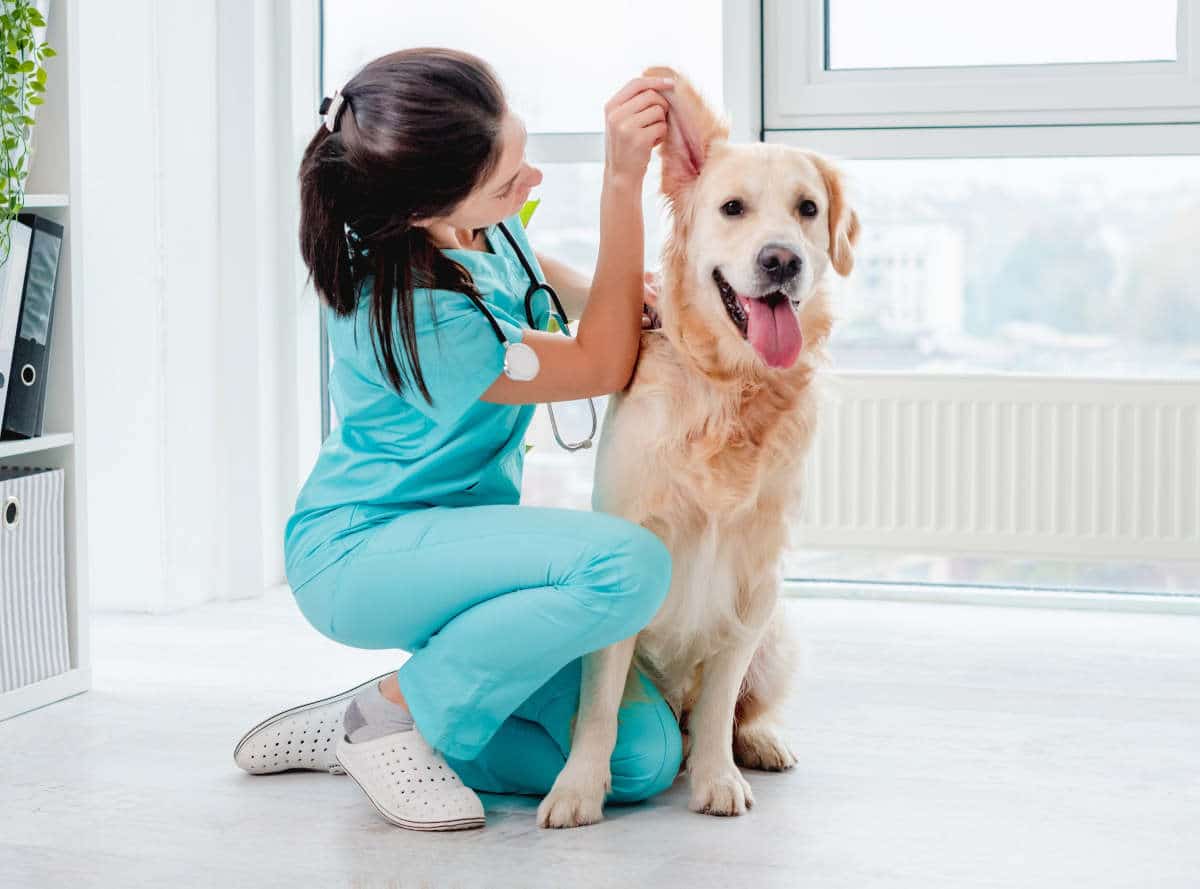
(520, 362)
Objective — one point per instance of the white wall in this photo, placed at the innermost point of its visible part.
(191, 325)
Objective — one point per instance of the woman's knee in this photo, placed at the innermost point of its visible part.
(636, 571)
(647, 756)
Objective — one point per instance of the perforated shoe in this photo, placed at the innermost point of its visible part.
(303, 737)
(409, 783)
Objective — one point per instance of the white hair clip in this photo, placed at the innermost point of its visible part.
(330, 108)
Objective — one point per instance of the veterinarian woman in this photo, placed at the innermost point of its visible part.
(408, 533)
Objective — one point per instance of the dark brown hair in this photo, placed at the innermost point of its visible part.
(418, 130)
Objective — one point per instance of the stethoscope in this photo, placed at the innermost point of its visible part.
(520, 361)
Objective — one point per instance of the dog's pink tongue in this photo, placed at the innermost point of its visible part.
(774, 332)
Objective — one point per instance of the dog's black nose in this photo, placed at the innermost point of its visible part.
(779, 263)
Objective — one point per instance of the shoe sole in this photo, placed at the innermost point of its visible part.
(457, 824)
(334, 767)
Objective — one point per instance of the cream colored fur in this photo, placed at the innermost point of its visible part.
(705, 448)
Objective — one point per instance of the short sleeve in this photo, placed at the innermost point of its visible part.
(460, 354)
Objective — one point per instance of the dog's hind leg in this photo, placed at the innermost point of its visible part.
(757, 741)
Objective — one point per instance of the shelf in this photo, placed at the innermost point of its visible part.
(52, 190)
(33, 445)
(41, 201)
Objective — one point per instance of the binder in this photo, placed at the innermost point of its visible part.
(31, 353)
(12, 286)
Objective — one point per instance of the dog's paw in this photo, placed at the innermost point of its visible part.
(761, 746)
(722, 792)
(573, 803)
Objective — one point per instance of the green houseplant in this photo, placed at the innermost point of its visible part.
(22, 82)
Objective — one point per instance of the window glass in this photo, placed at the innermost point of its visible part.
(1073, 266)
(936, 33)
(559, 62)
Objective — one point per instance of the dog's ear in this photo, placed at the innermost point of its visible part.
(843, 221)
(692, 127)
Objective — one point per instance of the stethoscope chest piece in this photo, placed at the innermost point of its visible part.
(520, 362)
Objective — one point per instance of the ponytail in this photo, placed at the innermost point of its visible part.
(323, 241)
(416, 131)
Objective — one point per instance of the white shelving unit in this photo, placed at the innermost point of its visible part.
(51, 191)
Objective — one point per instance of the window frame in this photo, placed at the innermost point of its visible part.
(801, 94)
(757, 57)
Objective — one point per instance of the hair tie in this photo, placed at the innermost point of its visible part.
(331, 107)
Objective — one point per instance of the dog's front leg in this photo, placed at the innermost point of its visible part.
(718, 787)
(577, 797)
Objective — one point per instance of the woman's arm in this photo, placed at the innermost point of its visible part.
(598, 359)
(613, 311)
(571, 285)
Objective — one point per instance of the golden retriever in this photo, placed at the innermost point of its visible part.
(705, 447)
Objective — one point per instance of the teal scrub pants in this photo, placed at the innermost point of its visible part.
(498, 604)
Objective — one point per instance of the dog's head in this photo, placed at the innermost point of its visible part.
(755, 226)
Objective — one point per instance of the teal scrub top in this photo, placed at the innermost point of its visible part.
(391, 454)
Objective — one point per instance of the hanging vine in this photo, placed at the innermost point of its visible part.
(22, 82)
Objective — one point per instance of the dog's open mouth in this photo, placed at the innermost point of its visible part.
(767, 322)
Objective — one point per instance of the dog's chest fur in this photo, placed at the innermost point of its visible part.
(713, 473)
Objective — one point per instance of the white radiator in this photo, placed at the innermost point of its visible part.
(1021, 466)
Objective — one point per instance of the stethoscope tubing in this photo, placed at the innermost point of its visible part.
(534, 286)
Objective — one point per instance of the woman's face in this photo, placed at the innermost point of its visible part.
(506, 190)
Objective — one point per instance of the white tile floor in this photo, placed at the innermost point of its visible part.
(941, 746)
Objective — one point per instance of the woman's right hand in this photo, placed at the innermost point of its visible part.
(635, 121)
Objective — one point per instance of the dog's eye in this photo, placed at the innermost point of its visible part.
(732, 208)
(808, 208)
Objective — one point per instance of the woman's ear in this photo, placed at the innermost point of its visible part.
(692, 127)
(843, 221)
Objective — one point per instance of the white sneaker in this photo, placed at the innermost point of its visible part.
(410, 783)
(303, 737)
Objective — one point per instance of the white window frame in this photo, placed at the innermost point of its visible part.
(892, 418)
(801, 94)
(774, 93)
(741, 92)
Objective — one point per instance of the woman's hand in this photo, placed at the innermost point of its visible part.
(635, 121)
(650, 318)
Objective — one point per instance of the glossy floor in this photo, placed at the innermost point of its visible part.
(940, 746)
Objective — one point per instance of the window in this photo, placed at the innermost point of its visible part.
(559, 62)
(1062, 266)
(934, 33)
(1018, 347)
(876, 64)
(566, 223)
(1018, 353)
